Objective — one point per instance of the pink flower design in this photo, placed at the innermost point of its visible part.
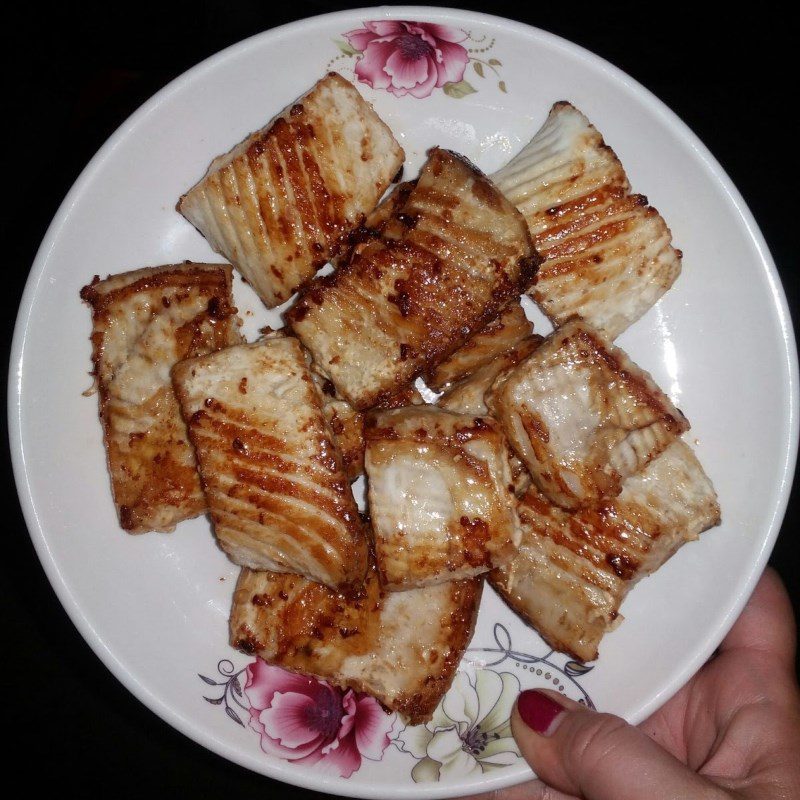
(306, 721)
(408, 57)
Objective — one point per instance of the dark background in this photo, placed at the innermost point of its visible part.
(74, 76)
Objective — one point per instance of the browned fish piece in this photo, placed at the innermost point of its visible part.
(401, 647)
(497, 338)
(144, 322)
(439, 496)
(608, 255)
(574, 570)
(283, 201)
(449, 260)
(273, 477)
(582, 416)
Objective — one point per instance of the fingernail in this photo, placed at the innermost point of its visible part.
(539, 711)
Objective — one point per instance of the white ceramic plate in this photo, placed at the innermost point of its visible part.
(155, 607)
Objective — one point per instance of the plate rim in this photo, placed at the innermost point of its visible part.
(167, 713)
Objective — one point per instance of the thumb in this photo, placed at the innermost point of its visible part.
(597, 756)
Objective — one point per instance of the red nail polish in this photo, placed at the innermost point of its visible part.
(538, 711)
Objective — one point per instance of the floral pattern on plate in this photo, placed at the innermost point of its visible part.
(305, 720)
(470, 731)
(405, 57)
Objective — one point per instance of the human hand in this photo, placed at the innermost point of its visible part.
(732, 732)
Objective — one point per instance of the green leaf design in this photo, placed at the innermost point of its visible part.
(478, 68)
(495, 63)
(502, 86)
(458, 90)
(346, 48)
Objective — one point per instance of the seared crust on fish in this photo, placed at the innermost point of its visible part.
(275, 483)
(608, 255)
(582, 416)
(403, 648)
(282, 202)
(144, 322)
(439, 496)
(574, 570)
(449, 260)
(498, 337)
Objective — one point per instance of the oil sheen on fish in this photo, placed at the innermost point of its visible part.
(439, 496)
(583, 416)
(143, 323)
(608, 255)
(573, 571)
(282, 202)
(452, 256)
(273, 477)
(498, 337)
(401, 647)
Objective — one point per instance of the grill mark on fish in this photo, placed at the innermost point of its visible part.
(286, 140)
(580, 244)
(250, 203)
(606, 208)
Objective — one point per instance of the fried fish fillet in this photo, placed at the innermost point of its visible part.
(144, 322)
(281, 203)
(448, 261)
(273, 478)
(574, 570)
(608, 255)
(401, 647)
(582, 416)
(439, 496)
(497, 338)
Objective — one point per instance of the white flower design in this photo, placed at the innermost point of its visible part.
(470, 731)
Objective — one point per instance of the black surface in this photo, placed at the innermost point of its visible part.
(76, 77)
